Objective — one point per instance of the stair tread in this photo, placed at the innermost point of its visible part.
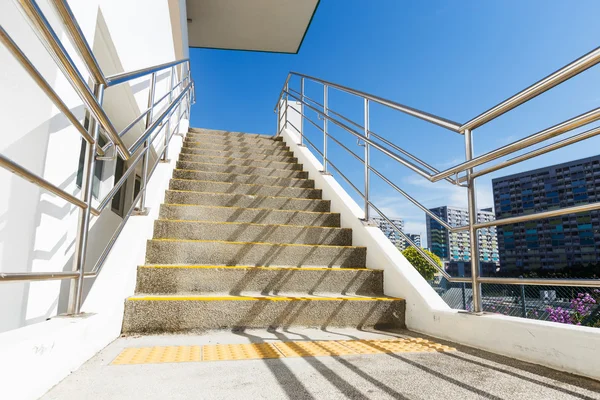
(220, 132)
(253, 243)
(257, 267)
(180, 173)
(251, 224)
(242, 169)
(247, 146)
(245, 162)
(245, 158)
(242, 184)
(253, 208)
(234, 165)
(259, 296)
(247, 195)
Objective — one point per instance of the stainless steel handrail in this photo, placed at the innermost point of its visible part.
(371, 133)
(44, 85)
(57, 51)
(556, 78)
(78, 39)
(534, 153)
(180, 97)
(549, 133)
(391, 150)
(41, 182)
(117, 79)
(434, 119)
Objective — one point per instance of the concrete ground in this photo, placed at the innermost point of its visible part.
(462, 374)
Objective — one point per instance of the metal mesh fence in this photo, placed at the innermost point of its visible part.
(572, 305)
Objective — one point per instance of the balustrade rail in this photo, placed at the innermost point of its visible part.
(173, 107)
(463, 174)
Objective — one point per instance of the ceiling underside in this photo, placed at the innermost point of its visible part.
(258, 25)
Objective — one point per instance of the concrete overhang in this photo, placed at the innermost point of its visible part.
(277, 26)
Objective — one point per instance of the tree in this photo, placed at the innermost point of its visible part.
(420, 263)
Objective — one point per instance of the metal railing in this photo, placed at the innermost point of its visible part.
(179, 97)
(463, 174)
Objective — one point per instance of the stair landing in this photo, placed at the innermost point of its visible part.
(464, 373)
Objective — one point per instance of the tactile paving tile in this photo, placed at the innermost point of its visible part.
(313, 349)
(248, 351)
(252, 351)
(159, 354)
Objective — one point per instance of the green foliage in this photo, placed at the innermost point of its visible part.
(420, 263)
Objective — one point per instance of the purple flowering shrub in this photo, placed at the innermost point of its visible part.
(580, 308)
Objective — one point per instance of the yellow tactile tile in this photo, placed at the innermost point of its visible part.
(159, 354)
(249, 351)
(313, 349)
(252, 351)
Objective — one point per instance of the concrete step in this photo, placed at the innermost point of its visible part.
(234, 140)
(237, 154)
(248, 179)
(241, 280)
(218, 159)
(249, 232)
(246, 201)
(208, 144)
(153, 314)
(239, 169)
(167, 251)
(244, 188)
(240, 162)
(230, 134)
(256, 215)
(246, 138)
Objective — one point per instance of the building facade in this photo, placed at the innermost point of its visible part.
(389, 231)
(403, 243)
(550, 243)
(454, 247)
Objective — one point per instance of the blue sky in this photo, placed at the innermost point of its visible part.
(453, 59)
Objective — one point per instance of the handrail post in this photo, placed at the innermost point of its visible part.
(142, 207)
(473, 240)
(76, 290)
(325, 120)
(287, 99)
(301, 112)
(367, 161)
(278, 119)
(168, 128)
(168, 131)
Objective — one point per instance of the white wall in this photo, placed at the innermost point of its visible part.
(37, 230)
(36, 357)
(565, 347)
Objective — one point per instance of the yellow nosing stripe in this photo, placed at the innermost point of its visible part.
(251, 195)
(324, 269)
(241, 183)
(248, 223)
(253, 351)
(254, 298)
(257, 243)
(251, 208)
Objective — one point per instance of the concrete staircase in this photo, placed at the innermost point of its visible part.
(244, 240)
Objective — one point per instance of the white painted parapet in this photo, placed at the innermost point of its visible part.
(568, 348)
